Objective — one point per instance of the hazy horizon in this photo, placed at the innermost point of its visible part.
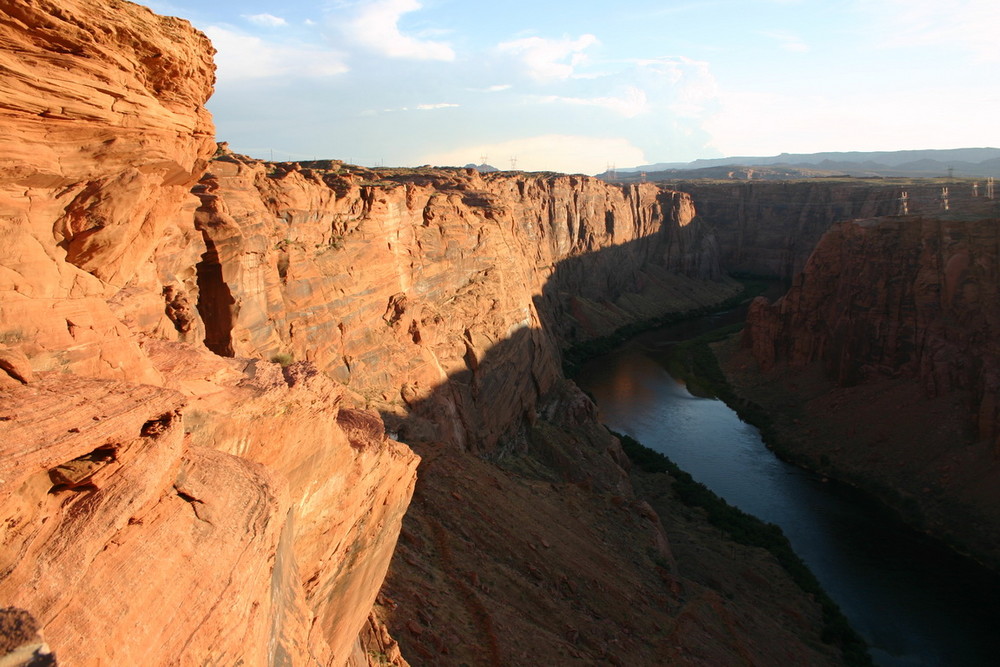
(576, 87)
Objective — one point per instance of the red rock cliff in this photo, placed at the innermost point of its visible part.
(168, 494)
(194, 516)
(901, 314)
(770, 229)
(393, 282)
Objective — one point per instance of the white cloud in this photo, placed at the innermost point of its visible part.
(687, 87)
(960, 25)
(551, 152)
(787, 41)
(440, 105)
(265, 20)
(376, 26)
(633, 103)
(242, 57)
(548, 59)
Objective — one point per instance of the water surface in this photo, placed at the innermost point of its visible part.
(914, 602)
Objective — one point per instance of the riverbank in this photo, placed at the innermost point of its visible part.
(912, 600)
(575, 355)
(882, 437)
(711, 555)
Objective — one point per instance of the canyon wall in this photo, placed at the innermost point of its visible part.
(210, 367)
(900, 315)
(396, 282)
(771, 228)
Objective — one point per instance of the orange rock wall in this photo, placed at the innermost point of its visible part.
(161, 504)
(104, 132)
(394, 282)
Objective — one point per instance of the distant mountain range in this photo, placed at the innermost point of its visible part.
(976, 162)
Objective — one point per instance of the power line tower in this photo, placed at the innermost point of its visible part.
(483, 159)
(612, 174)
(904, 203)
(975, 189)
(944, 199)
(989, 188)
(513, 163)
(642, 177)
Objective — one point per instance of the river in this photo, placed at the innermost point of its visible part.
(914, 602)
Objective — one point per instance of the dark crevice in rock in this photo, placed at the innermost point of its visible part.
(154, 427)
(216, 304)
(78, 473)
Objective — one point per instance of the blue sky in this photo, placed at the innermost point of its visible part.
(576, 86)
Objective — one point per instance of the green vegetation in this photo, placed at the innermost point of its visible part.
(577, 354)
(11, 336)
(748, 530)
(283, 358)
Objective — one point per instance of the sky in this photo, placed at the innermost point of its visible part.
(580, 86)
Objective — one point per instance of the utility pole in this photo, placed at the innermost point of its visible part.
(904, 203)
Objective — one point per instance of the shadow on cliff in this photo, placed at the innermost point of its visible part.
(524, 542)
(503, 388)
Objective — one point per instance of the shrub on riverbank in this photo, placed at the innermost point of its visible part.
(576, 355)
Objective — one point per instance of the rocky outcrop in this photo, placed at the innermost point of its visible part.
(902, 312)
(161, 504)
(104, 133)
(770, 229)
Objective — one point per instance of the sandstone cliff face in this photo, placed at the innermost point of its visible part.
(395, 283)
(222, 510)
(770, 229)
(104, 133)
(898, 303)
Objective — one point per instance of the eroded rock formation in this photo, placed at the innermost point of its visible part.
(396, 283)
(140, 472)
(770, 229)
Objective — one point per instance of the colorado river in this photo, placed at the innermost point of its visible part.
(912, 601)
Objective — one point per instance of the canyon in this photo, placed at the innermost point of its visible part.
(212, 363)
(288, 413)
(883, 359)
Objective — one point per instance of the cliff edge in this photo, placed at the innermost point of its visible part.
(133, 459)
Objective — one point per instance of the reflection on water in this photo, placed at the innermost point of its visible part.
(914, 603)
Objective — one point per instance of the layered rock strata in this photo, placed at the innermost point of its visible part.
(900, 316)
(196, 390)
(397, 282)
(770, 229)
(250, 506)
